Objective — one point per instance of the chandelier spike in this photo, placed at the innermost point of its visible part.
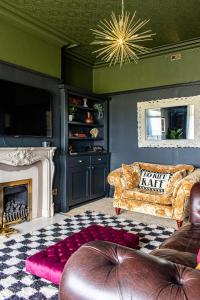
(118, 38)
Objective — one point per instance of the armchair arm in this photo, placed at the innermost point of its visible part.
(115, 179)
(181, 194)
(102, 270)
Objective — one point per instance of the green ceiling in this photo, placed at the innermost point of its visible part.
(173, 21)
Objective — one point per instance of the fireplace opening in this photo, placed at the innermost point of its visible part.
(15, 201)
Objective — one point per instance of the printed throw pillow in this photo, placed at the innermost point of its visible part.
(154, 181)
(131, 176)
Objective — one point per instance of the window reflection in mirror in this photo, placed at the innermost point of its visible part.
(170, 123)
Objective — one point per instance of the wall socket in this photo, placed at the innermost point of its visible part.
(175, 56)
(55, 192)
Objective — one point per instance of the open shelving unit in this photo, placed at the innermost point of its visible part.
(86, 169)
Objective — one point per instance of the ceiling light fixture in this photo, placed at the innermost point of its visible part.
(118, 38)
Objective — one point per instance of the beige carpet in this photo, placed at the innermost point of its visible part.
(105, 206)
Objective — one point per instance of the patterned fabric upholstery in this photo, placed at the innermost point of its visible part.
(131, 176)
(173, 203)
(147, 196)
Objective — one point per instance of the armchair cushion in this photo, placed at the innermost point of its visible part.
(130, 176)
(174, 180)
(147, 196)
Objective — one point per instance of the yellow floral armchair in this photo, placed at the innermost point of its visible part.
(169, 202)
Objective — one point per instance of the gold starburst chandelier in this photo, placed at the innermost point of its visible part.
(118, 38)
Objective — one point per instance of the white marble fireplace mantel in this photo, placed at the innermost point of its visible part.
(20, 162)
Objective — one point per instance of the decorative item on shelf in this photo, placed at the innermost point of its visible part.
(89, 148)
(72, 109)
(74, 101)
(70, 133)
(100, 109)
(98, 148)
(94, 148)
(71, 150)
(85, 102)
(80, 135)
(94, 133)
(89, 118)
(46, 144)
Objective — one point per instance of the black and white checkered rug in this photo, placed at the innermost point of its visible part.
(16, 284)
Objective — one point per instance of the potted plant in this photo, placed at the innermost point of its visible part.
(175, 134)
(71, 111)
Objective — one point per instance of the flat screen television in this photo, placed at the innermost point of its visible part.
(24, 110)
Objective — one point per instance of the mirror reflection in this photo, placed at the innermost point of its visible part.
(169, 123)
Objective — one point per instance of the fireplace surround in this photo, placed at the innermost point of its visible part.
(33, 165)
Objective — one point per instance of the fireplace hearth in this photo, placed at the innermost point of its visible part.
(15, 204)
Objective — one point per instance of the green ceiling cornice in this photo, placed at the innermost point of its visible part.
(167, 49)
(33, 25)
(78, 58)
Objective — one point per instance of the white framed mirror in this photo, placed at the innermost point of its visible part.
(173, 122)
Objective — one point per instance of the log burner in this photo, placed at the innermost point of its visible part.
(15, 204)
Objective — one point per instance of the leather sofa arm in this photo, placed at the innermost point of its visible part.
(195, 204)
(181, 194)
(106, 271)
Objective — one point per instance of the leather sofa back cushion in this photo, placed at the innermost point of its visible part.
(130, 176)
(154, 181)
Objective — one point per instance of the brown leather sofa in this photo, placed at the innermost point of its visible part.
(106, 271)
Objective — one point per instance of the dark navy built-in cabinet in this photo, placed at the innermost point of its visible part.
(85, 146)
(87, 178)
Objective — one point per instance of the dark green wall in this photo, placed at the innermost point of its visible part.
(78, 74)
(28, 50)
(149, 72)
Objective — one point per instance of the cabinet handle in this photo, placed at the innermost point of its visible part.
(92, 168)
(99, 159)
(80, 161)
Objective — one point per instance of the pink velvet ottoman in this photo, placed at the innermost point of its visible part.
(49, 263)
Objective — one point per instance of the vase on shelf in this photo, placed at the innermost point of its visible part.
(89, 118)
(71, 117)
(85, 102)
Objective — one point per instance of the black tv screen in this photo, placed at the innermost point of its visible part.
(24, 110)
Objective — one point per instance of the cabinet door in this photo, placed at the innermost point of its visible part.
(98, 180)
(78, 185)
